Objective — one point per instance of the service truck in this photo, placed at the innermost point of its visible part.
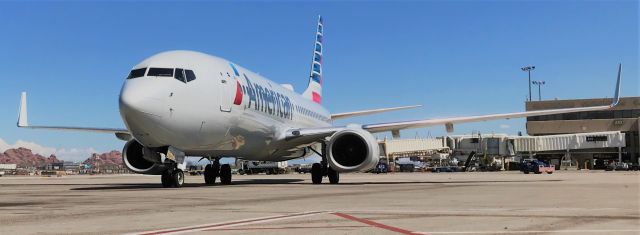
(256, 167)
(537, 167)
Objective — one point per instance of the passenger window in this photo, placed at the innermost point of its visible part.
(318, 48)
(316, 57)
(316, 68)
(179, 75)
(136, 73)
(190, 75)
(160, 72)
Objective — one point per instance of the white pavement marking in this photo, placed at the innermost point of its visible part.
(229, 224)
(538, 231)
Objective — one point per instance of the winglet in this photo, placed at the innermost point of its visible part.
(616, 97)
(22, 114)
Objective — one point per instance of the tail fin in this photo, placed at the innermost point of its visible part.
(314, 89)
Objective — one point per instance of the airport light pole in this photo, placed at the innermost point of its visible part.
(528, 70)
(539, 83)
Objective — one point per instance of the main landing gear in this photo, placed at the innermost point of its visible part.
(173, 178)
(215, 170)
(319, 170)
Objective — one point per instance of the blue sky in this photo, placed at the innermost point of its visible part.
(454, 57)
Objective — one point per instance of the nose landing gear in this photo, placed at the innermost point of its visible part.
(172, 178)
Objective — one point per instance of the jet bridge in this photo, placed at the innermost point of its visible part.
(394, 148)
(593, 140)
(582, 147)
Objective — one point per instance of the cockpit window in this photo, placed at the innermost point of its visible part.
(179, 74)
(136, 73)
(160, 72)
(190, 75)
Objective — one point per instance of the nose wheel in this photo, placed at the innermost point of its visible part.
(172, 178)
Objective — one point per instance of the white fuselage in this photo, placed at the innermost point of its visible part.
(224, 112)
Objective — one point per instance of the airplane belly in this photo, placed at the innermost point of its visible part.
(234, 135)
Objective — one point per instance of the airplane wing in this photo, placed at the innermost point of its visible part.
(448, 122)
(122, 134)
(369, 112)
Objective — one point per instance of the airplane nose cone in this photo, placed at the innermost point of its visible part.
(143, 110)
(136, 99)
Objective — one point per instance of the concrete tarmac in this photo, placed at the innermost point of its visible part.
(578, 202)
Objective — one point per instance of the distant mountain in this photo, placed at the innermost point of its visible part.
(23, 157)
(113, 158)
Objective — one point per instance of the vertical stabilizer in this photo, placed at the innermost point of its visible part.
(314, 89)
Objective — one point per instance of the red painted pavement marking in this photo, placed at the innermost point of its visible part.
(376, 224)
(202, 227)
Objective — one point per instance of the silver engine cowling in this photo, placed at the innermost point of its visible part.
(352, 150)
(142, 160)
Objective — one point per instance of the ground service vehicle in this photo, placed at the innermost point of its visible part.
(256, 167)
(537, 167)
(381, 168)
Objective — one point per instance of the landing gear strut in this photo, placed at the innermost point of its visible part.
(173, 178)
(215, 170)
(319, 170)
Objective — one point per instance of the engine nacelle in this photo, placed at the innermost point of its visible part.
(142, 160)
(352, 150)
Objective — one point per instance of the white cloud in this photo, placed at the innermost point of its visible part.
(73, 154)
(504, 126)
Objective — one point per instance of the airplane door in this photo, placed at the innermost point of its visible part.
(225, 94)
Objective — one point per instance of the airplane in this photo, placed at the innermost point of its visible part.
(185, 103)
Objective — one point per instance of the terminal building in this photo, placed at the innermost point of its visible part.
(624, 118)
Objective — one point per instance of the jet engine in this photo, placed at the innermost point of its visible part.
(352, 150)
(142, 160)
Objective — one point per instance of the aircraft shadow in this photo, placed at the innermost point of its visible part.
(186, 185)
(447, 182)
(298, 182)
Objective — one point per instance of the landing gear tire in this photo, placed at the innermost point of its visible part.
(225, 174)
(209, 174)
(166, 179)
(316, 173)
(177, 178)
(334, 176)
(172, 178)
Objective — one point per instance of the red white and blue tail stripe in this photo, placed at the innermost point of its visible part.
(314, 90)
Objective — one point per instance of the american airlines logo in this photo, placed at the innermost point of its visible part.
(264, 99)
